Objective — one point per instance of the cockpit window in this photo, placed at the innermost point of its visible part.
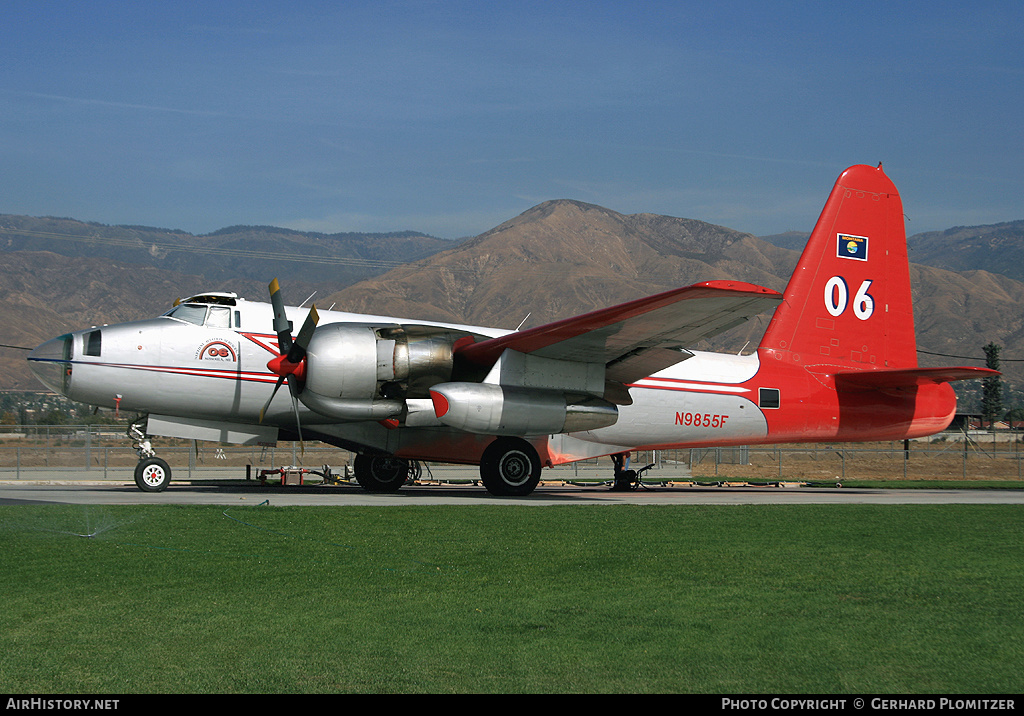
(190, 313)
(219, 317)
(209, 316)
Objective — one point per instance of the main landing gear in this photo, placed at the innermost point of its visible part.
(383, 473)
(510, 467)
(152, 474)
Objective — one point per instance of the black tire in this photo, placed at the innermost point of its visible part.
(381, 473)
(510, 467)
(152, 475)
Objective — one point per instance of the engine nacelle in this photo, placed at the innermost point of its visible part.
(361, 371)
(491, 409)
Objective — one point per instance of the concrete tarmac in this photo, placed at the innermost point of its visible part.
(220, 487)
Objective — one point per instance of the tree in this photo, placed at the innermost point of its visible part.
(991, 387)
(1014, 415)
(55, 417)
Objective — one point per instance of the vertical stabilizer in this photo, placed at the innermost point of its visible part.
(848, 304)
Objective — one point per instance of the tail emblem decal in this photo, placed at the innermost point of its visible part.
(852, 247)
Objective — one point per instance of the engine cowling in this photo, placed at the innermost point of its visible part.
(362, 371)
(490, 409)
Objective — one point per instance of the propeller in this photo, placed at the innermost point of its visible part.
(290, 365)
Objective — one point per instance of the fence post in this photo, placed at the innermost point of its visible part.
(964, 475)
(906, 456)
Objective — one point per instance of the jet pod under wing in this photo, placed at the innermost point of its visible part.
(636, 338)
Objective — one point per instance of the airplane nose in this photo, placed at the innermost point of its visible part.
(51, 363)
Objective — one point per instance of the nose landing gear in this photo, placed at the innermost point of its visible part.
(152, 474)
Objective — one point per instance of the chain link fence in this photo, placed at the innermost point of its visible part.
(27, 452)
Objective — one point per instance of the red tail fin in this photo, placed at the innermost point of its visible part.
(848, 304)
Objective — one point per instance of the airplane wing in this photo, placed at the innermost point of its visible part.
(637, 338)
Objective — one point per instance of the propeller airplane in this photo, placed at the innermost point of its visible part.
(838, 362)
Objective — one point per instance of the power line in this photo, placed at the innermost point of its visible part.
(948, 355)
(141, 244)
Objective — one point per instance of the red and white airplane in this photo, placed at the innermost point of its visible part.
(838, 362)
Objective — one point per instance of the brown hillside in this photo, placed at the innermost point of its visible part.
(562, 258)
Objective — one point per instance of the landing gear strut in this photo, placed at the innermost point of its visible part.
(152, 474)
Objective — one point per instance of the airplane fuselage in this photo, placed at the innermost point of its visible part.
(212, 366)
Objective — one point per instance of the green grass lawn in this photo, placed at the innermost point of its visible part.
(741, 599)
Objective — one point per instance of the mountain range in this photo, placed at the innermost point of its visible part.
(557, 259)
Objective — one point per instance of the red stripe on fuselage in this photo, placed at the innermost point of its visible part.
(243, 376)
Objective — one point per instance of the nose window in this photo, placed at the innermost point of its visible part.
(93, 343)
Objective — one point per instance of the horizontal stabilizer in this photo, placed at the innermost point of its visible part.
(908, 377)
(637, 337)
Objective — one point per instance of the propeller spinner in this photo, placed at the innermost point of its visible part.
(290, 365)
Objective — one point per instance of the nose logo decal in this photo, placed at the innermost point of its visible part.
(217, 351)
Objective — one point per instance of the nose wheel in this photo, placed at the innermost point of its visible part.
(152, 475)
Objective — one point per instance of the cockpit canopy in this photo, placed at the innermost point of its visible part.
(219, 298)
(213, 309)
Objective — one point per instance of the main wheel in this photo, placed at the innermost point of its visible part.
(510, 467)
(381, 473)
(152, 475)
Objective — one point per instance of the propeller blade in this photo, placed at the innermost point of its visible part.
(298, 348)
(266, 405)
(288, 365)
(282, 326)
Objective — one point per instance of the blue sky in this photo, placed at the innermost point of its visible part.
(451, 117)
